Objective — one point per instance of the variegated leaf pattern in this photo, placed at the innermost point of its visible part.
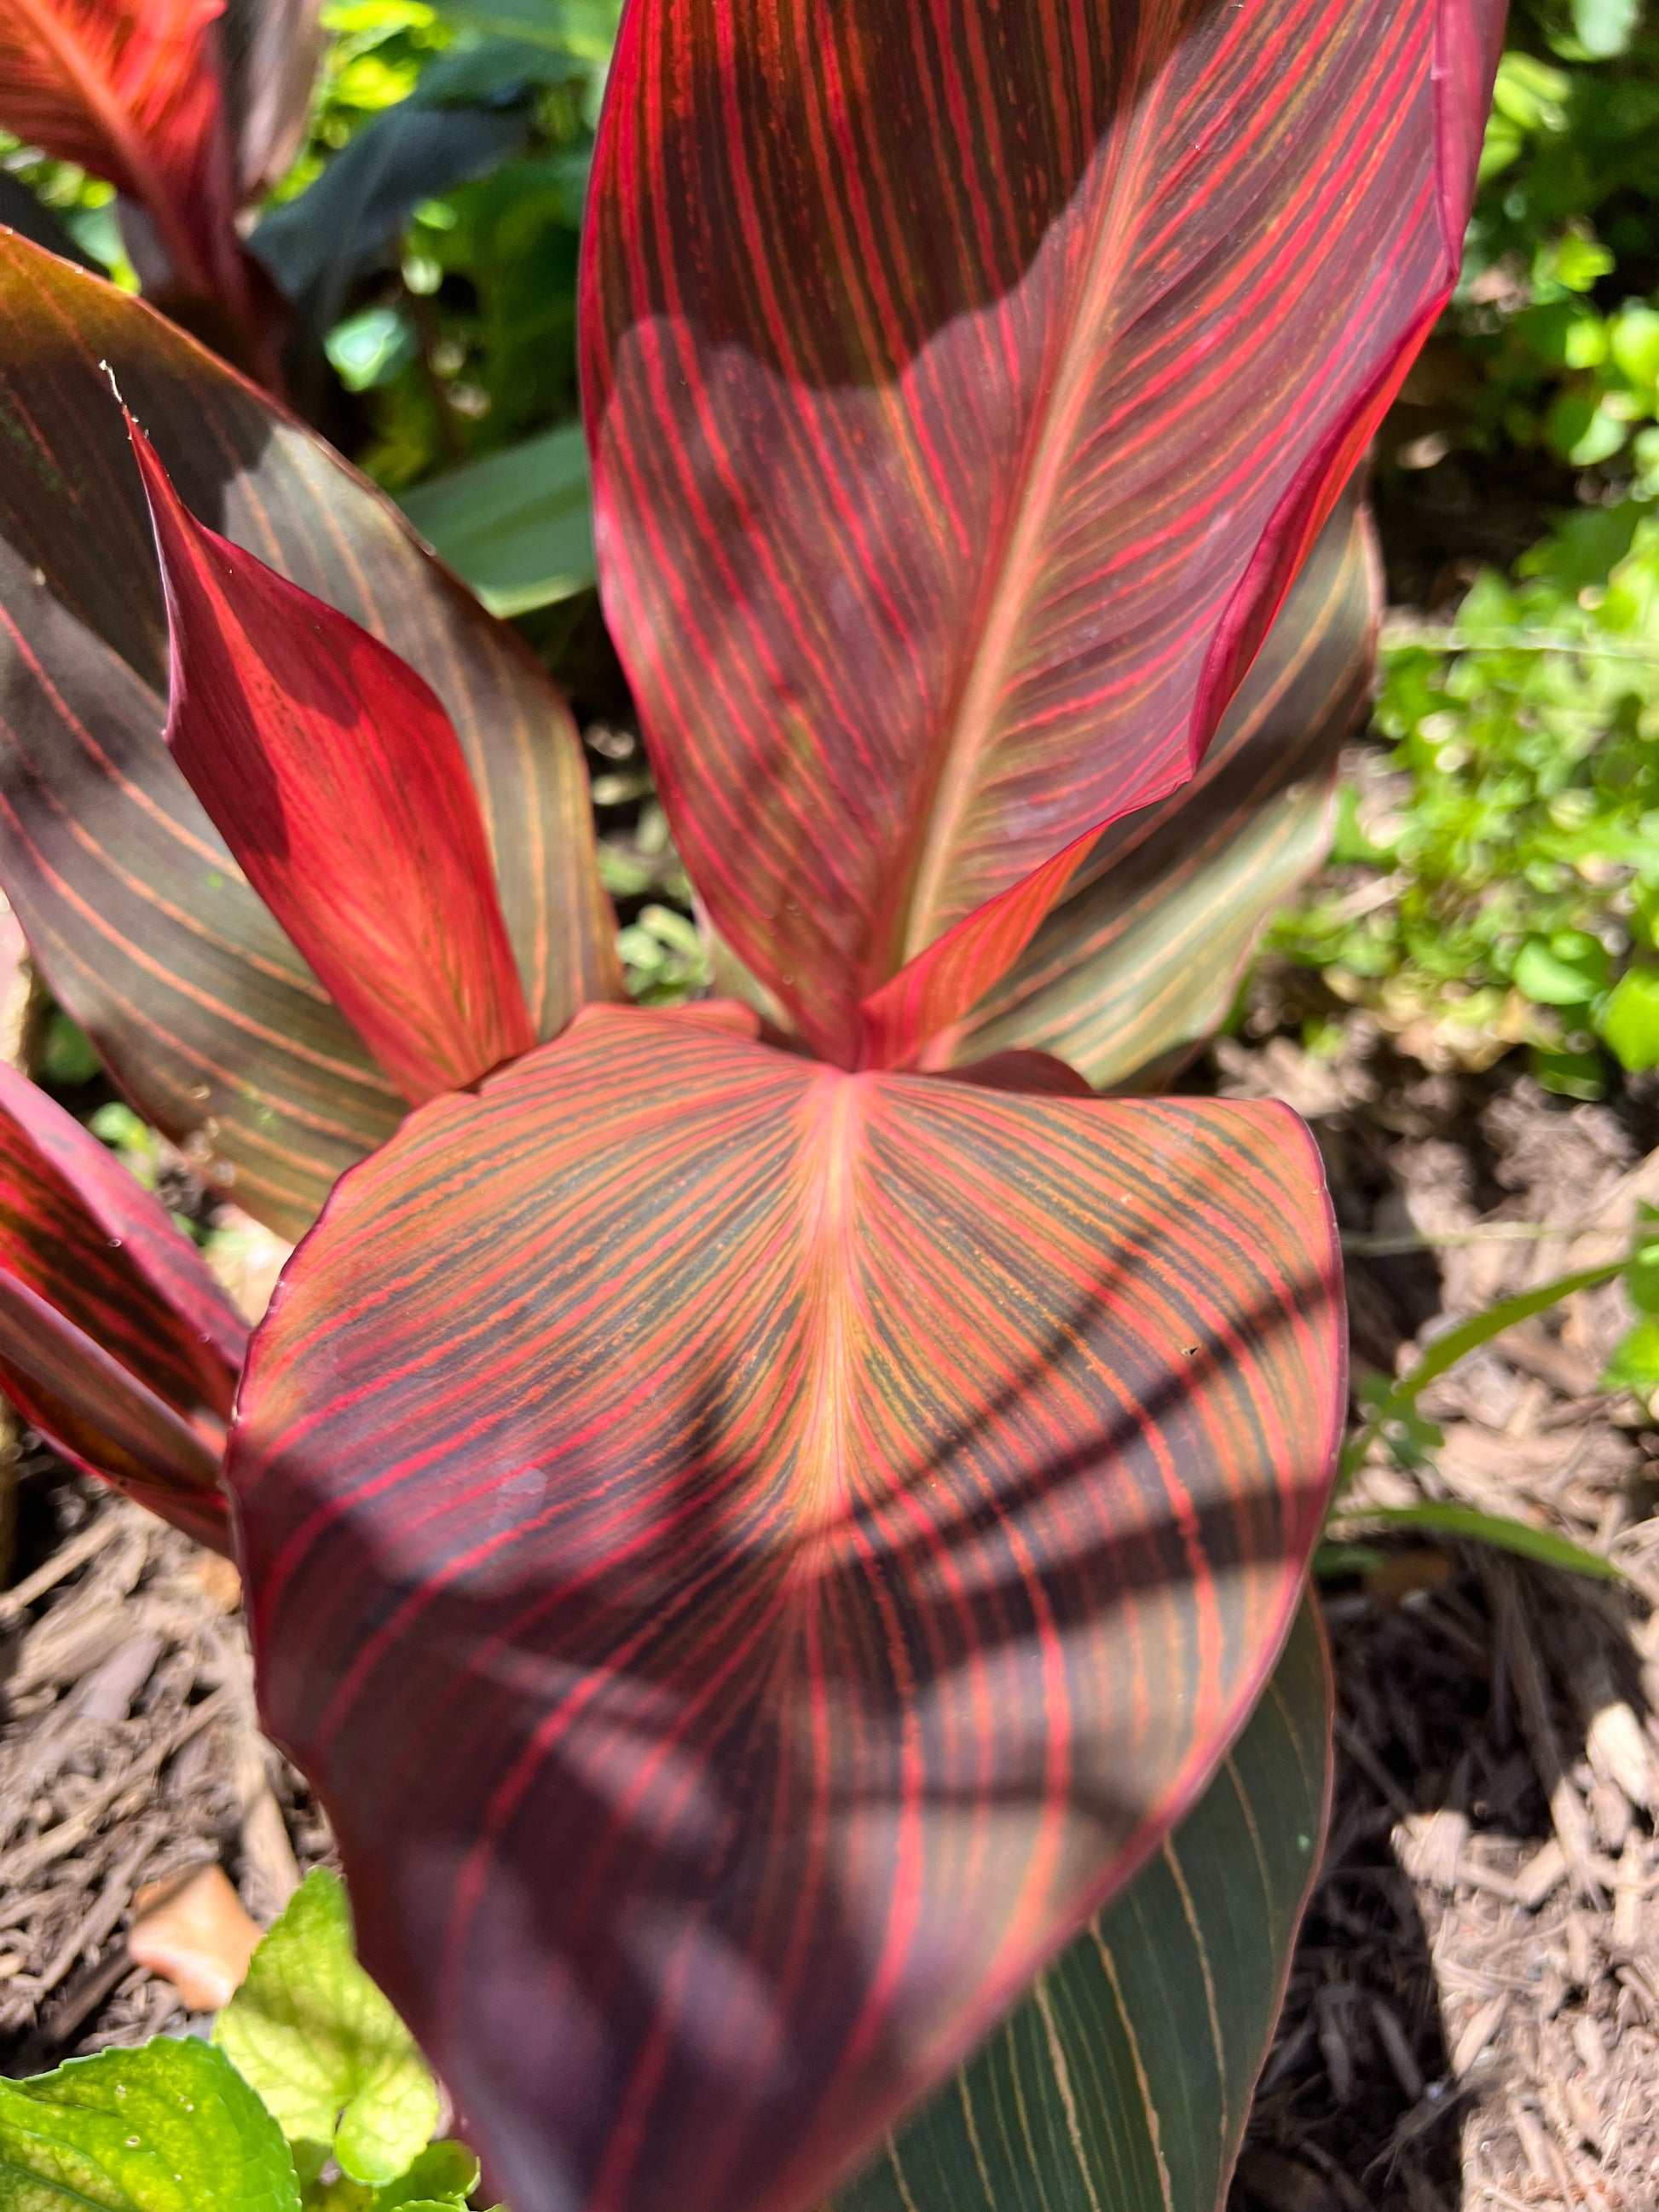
(334, 775)
(964, 386)
(833, 1524)
(132, 90)
(143, 925)
(115, 1342)
(1141, 960)
(1123, 2083)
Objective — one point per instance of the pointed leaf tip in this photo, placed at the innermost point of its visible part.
(336, 777)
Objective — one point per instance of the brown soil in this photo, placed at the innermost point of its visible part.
(1474, 2013)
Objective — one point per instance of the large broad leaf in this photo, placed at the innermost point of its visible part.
(132, 90)
(1124, 2080)
(964, 386)
(334, 776)
(832, 1525)
(115, 1342)
(1141, 960)
(142, 924)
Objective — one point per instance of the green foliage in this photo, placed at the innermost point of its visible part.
(1516, 856)
(314, 2036)
(312, 2098)
(171, 2127)
(1553, 341)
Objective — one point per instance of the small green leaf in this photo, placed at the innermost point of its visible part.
(314, 2036)
(445, 2173)
(1550, 980)
(1629, 1020)
(1604, 27)
(170, 2127)
(1634, 1365)
(1433, 1518)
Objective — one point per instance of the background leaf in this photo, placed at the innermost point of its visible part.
(832, 1524)
(1125, 2079)
(1142, 958)
(309, 2030)
(170, 2127)
(517, 525)
(208, 1019)
(903, 374)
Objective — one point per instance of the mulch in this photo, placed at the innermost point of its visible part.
(1473, 2016)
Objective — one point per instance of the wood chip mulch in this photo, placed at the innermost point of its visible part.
(1472, 2018)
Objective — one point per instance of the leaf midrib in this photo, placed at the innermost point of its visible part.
(970, 723)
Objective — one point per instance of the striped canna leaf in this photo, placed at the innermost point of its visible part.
(1125, 2079)
(1141, 960)
(336, 779)
(115, 1342)
(133, 90)
(964, 387)
(833, 1525)
(143, 925)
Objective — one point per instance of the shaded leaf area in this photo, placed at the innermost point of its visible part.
(1125, 2078)
(143, 927)
(270, 51)
(115, 1342)
(1141, 960)
(960, 415)
(170, 2128)
(318, 245)
(833, 1523)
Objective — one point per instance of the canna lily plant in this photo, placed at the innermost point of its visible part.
(762, 1520)
(191, 108)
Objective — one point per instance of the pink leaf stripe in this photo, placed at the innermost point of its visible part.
(332, 772)
(832, 1524)
(115, 1342)
(964, 386)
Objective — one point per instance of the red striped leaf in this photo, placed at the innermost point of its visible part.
(964, 386)
(143, 925)
(334, 776)
(131, 89)
(1141, 960)
(115, 1342)
(833, 1525)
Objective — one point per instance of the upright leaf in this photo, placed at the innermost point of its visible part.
(334, 775)
(964, 386)
(270, 51)
(1125, 2079)
(131, 90)
(115, 1342)
(832, 1524)
(1141, 959)
(143, 925)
